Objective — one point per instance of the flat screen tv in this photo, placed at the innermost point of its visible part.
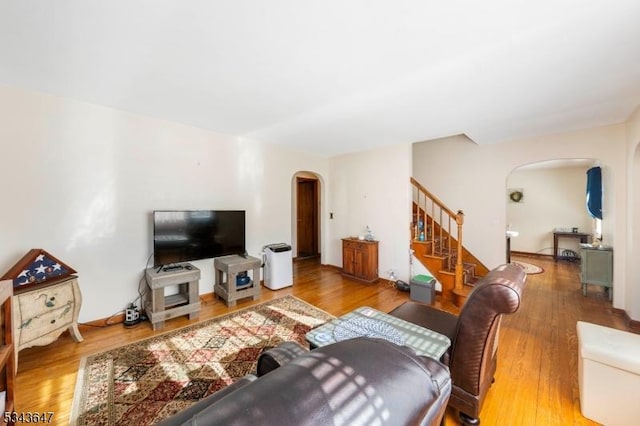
(183, 236)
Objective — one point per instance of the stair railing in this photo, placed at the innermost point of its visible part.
(432, 224)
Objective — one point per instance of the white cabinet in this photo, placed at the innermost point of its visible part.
(41, 314)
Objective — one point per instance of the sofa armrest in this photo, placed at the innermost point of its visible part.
(273, 358)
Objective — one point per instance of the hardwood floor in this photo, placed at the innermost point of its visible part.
(536, 382)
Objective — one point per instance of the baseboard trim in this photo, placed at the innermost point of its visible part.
(120, 317)
(527, 254)
(633, 325)
(105, 322)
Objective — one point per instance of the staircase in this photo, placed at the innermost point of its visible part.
(436, 238)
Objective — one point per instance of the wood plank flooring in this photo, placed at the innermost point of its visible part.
(536, 382)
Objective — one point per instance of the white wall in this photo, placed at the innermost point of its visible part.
(632, 300)
(81, 181)
(473, 178)
(373, 188)
(553, 198)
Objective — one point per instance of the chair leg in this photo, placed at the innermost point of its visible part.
(468, 420)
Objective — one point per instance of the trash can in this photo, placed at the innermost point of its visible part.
(278, 266)
(423, 289)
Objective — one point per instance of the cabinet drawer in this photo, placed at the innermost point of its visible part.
(39, 302)
(356, 245)
(35, 327)
(350, 244)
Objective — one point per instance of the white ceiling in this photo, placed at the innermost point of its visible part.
(336, 76)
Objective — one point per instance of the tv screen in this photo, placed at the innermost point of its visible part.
(182, 236)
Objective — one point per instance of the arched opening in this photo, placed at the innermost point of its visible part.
(633, 297)
(306, 225)
(545, 199)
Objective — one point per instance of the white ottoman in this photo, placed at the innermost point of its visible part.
(608, 374)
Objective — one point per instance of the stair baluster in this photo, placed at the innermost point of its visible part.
(442, 238)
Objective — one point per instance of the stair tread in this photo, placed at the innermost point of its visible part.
(464, 290)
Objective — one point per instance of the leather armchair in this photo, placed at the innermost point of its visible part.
(354, 382)
(474, 335)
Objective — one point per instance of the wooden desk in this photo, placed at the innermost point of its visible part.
(561, 234)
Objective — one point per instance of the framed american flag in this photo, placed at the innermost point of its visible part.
(37, 267)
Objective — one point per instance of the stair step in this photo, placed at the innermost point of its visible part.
(461, 294)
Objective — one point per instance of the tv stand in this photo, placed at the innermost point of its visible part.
(187, 302)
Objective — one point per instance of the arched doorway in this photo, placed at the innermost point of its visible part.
(546, 196)
(633, 270)
(306, 224)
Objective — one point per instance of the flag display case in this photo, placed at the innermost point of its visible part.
(37, 268)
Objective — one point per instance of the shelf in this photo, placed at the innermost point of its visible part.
(243, 286)
(176, 299)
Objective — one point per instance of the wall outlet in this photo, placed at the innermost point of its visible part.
(392, 275)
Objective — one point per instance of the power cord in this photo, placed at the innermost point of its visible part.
(134, 319)
(134, 312)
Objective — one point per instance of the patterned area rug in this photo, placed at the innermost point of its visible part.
(147, 381)
(529, 268)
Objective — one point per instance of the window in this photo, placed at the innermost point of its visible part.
(594, 199)
(594, 192)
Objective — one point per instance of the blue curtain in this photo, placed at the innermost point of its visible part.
(594, 192)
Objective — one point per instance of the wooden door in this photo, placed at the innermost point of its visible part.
(307, 217)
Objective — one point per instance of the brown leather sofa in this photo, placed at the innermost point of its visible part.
(354, 382)
(472, 356)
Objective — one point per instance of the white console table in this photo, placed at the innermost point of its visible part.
(186, 302)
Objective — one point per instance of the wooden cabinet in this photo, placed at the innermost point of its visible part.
(7, 354)
(360, 259)
(41, 314)
(596, 268)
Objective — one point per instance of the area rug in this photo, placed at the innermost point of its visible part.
(529, 268)
(147, 381)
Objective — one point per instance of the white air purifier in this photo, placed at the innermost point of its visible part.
(278, 266)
